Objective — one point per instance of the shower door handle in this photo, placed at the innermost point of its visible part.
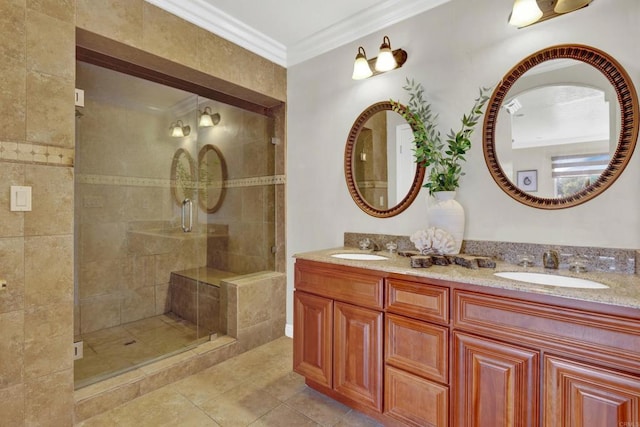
(187, 204)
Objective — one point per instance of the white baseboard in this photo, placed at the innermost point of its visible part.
(288, 330)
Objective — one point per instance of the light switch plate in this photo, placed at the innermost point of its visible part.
(78, 350)
(79, 98)
(20, 198)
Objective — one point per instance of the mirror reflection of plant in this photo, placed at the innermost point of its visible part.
(569, 185)
(185, 180)
(205, 177)
(429, 149)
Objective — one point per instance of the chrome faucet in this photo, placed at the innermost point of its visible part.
(550, 259)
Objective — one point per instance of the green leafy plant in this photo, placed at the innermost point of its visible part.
(443, 158)
(185, 180)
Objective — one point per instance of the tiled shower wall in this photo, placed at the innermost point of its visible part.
(37, 63)
(251, 231)
(371, 172)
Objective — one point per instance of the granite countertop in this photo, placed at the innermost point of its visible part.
(624, 289)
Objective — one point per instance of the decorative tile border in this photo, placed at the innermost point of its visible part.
(256, 181)
(156, 182)
(19, 152)
(130, 181)
(372, 184)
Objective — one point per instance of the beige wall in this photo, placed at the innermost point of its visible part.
(37, 63)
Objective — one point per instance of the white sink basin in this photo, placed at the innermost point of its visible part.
(360, 257)
(551, 280)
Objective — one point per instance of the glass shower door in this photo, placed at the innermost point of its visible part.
(139, 236)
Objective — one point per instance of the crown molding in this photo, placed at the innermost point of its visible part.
(357, 26)
(212, 19)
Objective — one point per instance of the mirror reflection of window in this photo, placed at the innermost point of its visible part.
(574, 173)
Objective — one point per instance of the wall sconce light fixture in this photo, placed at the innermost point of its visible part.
(178, 129)
(386, 60)
(528, 12)
(208, 118)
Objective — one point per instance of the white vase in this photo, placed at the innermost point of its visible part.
(444, 212)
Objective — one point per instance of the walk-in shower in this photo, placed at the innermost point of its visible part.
(166, 207)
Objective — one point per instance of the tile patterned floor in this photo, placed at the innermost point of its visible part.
(126, 346)
(257, 388)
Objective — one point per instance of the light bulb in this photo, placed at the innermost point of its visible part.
(385, 61)
(205, 120)
(208, 118)
(525, 12)
(176, 131)
(361, 68)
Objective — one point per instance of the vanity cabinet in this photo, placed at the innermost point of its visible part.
(415, 351)
(590, 364)
(338, 327)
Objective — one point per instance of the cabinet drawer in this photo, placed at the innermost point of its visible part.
(418, 300)
(590, 335)
(417, 347)
(350, 285)
(414, 400)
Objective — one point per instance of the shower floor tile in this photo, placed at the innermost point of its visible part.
(123, 347)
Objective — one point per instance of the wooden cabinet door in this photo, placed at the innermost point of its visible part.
(494, 384)
(312, 336)
(581, 395)
(357, 354)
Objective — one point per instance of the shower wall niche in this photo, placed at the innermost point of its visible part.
(152, 245)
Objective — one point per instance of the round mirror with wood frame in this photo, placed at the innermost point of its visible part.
(352, 156)
(627, 136)
(183, 177)
(212, 174)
